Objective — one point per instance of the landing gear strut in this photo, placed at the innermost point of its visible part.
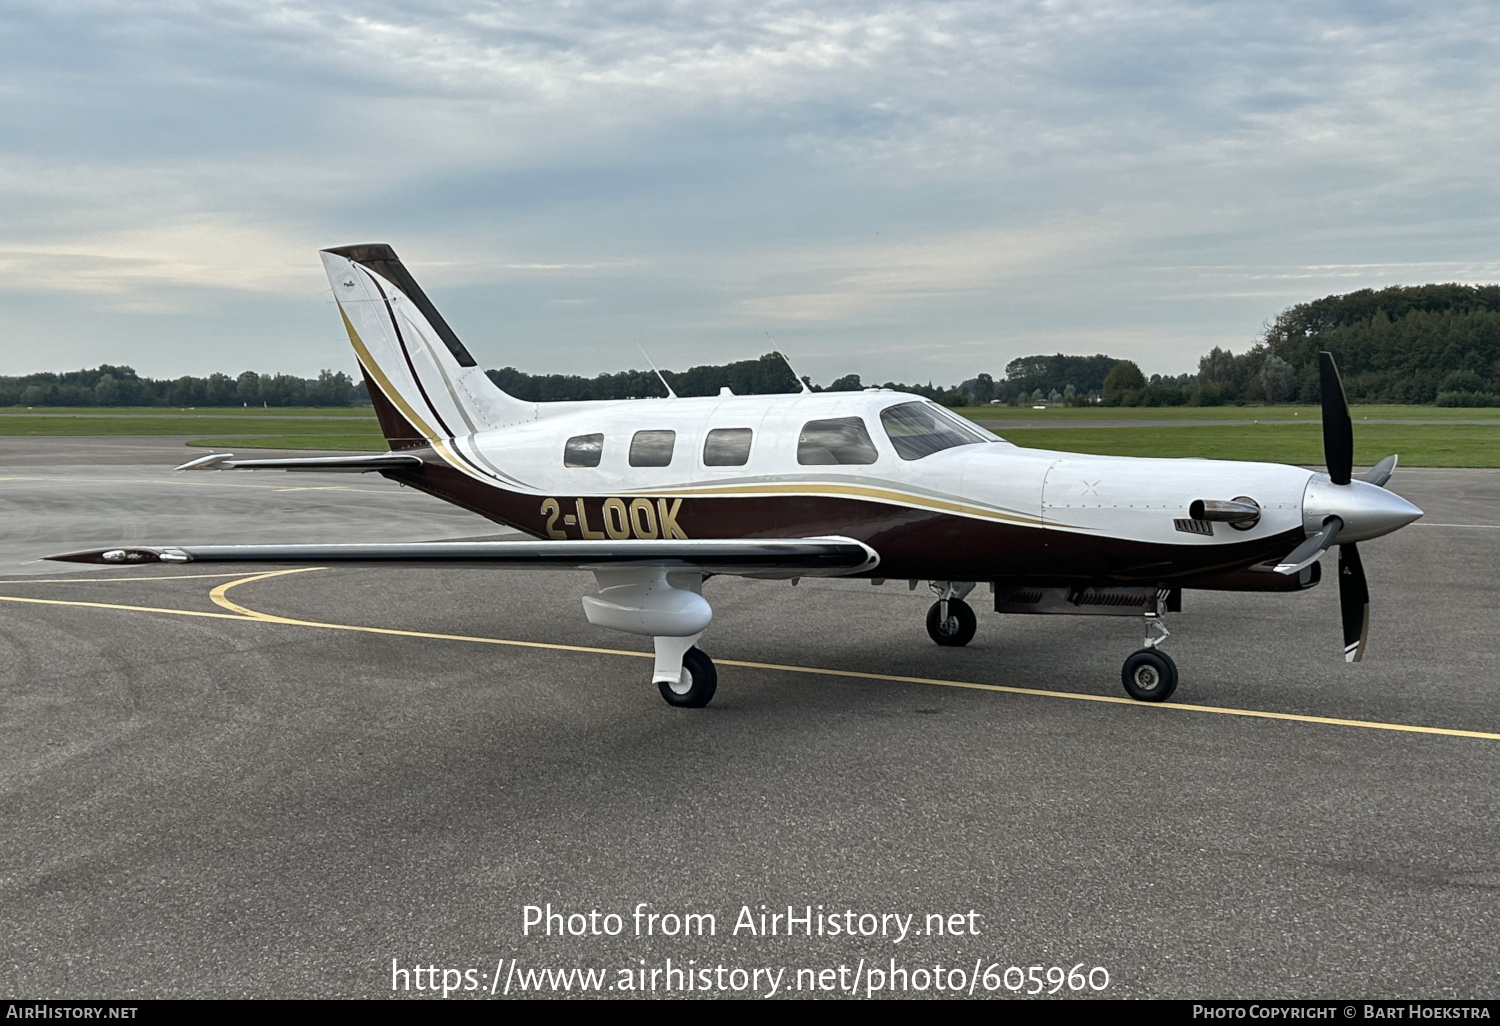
(950, 621)
(1149, 674)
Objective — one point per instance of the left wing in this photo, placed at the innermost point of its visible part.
(750, 557)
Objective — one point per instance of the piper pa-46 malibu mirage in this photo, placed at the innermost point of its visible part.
(657, 495)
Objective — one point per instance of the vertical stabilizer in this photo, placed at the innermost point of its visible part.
(424, 384)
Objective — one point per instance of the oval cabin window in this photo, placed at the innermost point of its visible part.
(727, 447)
(838, 440)
(583, 451)
(652, 448)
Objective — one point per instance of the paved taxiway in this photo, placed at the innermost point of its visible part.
(215, 805)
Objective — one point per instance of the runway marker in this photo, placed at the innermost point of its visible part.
(239, 612)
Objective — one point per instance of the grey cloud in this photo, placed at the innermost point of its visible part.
(707, 171)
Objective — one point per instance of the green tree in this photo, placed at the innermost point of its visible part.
(1123, 384)
(107, 391)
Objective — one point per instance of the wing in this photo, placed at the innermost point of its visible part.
(749, 557)
(347, 464)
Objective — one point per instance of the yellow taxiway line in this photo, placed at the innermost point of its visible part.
(219, 595)
(80, 579)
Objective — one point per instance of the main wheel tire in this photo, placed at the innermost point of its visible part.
(961, 625)
(696, 687)
(1149, 675)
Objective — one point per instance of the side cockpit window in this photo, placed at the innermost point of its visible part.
(839, 440)
(921, 429)
(583, 451)
(652, 448)
(727, 447)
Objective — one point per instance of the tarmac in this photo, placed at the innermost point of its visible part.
(313, 783)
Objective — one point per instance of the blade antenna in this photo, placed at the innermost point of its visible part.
(664, 384)
(784, 359)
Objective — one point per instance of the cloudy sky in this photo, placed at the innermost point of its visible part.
(903, 190)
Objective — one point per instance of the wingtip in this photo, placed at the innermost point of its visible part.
(119, 556)
(205, 462)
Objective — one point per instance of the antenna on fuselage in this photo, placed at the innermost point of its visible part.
(670, 393)
(800, 381)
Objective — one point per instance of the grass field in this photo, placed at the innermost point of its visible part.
(1284, 434)
(315, 430)
(1244, 413)
(1420, 445)
(366, 441)
(318, 412)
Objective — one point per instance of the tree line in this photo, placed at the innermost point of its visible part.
(1410, 344)
(108, 385)
(764, 375)
(1413, 344)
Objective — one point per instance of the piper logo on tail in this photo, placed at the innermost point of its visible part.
(616, 518)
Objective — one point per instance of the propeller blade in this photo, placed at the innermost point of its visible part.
(1338, 429)
(1354, 603)
(1311, 549)
(1381, 472)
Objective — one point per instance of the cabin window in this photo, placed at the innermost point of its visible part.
(727, 447)
(652, 448)
(921, 429)
(840, 440)
(583, 451)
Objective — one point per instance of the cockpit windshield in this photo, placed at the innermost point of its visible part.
(923, 428)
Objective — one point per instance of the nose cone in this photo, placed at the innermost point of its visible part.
(1367, 510)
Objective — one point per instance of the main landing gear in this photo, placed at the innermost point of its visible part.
(695, 687)
(951, 622)
(1149, 674)
(666, 606)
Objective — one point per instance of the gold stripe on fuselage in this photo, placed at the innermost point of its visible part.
(886, 495)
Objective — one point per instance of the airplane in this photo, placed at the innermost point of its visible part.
(657, 496)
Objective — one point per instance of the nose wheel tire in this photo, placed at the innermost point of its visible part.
(958, 629)
(695, 688)
(1149, 675)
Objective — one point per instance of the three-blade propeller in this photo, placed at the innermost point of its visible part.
(1338, 453)
(1374, 511)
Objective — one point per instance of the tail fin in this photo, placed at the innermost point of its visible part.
(424, 384)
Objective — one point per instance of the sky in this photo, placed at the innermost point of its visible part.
(908, 191)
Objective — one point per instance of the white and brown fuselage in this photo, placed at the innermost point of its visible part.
(984, 511)
(655, 495)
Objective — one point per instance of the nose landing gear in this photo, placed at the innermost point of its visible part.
(1149, 674)
(950, 621)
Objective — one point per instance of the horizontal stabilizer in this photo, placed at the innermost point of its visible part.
(344, 464)
(751, 557)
